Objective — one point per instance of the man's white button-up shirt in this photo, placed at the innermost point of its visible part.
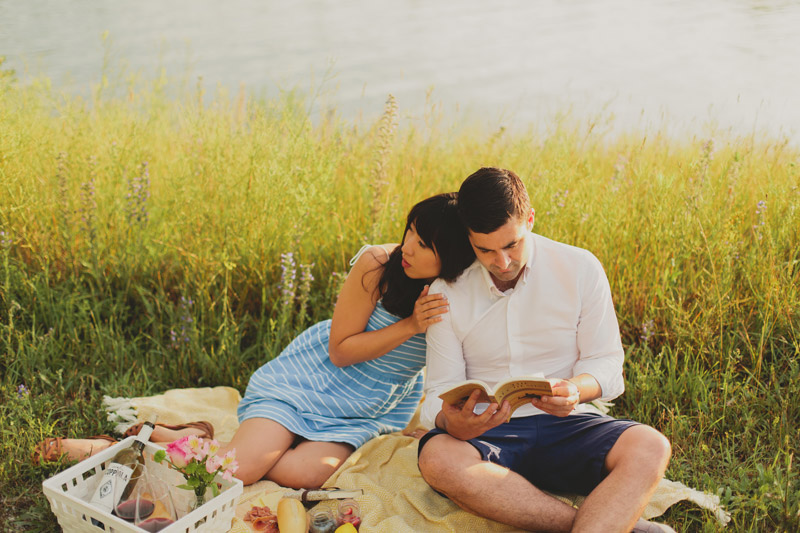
(558, 320)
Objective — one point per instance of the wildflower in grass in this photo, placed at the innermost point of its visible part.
(708, 148)
(619, 166)
(138, 195)
(733, 249)
(173, 339)
(89, 203)
(287, 285)
(619, 172)
(559, 200)
(22, 391)
(648, 329)
(63, 191)
(705, 159)
(562, 200)
(181, 335)
(304, 290)
(761, 209)
(298, 233)
(306, 277)
(386, 128)
(335, 286)
(186, 316)
(5, 240)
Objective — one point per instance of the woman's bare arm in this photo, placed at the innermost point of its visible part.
(349, 343)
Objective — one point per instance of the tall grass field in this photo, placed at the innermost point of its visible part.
(154, 236)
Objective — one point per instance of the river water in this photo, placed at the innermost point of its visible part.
(680, 65)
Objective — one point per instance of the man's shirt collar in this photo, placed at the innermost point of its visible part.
(523, 279)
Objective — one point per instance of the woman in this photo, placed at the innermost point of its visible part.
(346, 380)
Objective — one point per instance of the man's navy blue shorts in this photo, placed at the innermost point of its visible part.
(558, 454)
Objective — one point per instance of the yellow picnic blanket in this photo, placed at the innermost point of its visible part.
(396, 498)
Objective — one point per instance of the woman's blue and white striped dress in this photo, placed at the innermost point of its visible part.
(310, 396)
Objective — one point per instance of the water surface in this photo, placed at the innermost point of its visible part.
(514, 63)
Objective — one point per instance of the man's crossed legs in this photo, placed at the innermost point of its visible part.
(627, 476)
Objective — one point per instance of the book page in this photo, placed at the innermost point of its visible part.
(461, 392)
(520, 391)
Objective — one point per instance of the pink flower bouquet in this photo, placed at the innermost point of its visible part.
(199, 463)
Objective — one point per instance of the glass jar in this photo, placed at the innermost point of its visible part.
(321, 520)
(349, 511)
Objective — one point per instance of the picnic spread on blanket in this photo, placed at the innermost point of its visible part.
(392, 494)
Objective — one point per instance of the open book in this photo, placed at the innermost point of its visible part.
(518, 391)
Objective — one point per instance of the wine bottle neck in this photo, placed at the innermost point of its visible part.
(145, 432)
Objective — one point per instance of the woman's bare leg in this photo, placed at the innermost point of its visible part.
(162, 434)
(259, 444)
(309, 464)
(80, 449)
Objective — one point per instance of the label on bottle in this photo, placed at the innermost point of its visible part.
(114, 475)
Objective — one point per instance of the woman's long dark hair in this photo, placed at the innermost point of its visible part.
(437, 224)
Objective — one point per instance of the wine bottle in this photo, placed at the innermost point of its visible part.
(123, 468)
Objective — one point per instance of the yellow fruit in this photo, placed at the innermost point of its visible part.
(347, 527)
(291, 516)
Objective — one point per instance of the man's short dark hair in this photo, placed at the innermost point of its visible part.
(491, 197)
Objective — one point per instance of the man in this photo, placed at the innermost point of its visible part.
(532, 305)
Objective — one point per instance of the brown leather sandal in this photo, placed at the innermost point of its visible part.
(205, 427)
(51, 449)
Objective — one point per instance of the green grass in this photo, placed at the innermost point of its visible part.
(142, 250)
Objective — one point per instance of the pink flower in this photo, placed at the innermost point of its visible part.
(213, 463)
(229, 462)
(196, 448)
(179, 452)
(212, 447)
(227, 475)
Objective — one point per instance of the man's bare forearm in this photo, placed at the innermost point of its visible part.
(588, 387)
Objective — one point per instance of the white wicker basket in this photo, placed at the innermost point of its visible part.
(68, 493)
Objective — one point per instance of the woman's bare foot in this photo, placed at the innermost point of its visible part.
(80, 449)
(162, 434)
